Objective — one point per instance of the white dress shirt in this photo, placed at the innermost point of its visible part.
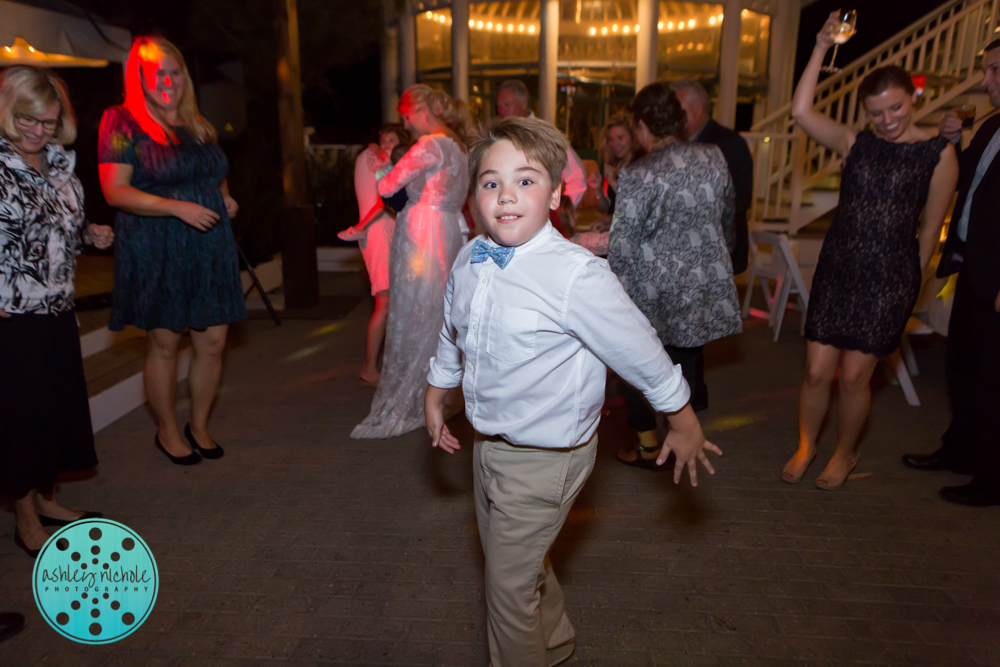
(529, 343)
(574, 175)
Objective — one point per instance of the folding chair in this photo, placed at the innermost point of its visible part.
(781, 266)
(903, 365)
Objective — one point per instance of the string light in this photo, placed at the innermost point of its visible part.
(691, 23)
(510, 27)
(614, 28)
(636, 28)
(472, 24)
(745, 13)
(604, 30)
(489, 25)
(660, 25)
(479, 25)
(520, 28)
(531, 28)
(593, 31)
(670, 25)
(711, 20)
(625, 29)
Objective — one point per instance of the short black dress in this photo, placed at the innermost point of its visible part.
(169, 275)
(868, 276)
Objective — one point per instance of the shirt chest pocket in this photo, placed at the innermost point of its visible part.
(511, 335)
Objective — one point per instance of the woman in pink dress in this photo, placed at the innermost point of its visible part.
(374, 235)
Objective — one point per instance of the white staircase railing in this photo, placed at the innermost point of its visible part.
(944, 45)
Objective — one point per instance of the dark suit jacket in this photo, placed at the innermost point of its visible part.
(979, 257)
(734, 148)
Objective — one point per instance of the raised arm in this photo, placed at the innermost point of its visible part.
(942, 187)
(422, 156)
(825, 130)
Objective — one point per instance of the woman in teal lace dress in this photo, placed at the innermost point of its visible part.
(176, 265)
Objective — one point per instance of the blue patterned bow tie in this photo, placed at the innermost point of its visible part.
(500, 254)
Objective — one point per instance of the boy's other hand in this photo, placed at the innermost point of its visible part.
(688, 444)
(434, 415)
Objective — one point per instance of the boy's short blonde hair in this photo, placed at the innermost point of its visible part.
(539, 141)
(32, 90)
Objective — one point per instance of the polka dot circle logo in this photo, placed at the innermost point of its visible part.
(95, 581)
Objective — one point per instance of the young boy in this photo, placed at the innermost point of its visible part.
(530, 322)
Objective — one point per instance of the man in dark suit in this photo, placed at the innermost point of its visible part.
(703, 129)
(971, 444)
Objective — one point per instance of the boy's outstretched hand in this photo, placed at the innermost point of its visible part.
(688, 444)
(434, 414)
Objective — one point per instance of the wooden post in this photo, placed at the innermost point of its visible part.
(293, 155)
(297, 233)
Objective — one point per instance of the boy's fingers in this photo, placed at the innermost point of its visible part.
(704, 462)
(712, 448)
(678, 468)
(693, 472)
(664, 454)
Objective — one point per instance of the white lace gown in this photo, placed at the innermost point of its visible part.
(435, 172)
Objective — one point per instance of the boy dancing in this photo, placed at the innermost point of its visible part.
(530, 322)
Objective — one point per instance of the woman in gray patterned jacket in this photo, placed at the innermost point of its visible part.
(669, 245)
(44, 416)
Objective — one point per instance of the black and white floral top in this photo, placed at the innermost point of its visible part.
(41, 225)
(670, 240)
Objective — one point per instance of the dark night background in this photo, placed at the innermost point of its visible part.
(340, 83)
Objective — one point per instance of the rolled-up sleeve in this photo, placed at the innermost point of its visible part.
(600, 314)
(446, 365)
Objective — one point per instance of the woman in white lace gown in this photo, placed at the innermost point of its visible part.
(435, 173)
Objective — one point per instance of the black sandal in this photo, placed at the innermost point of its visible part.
(639, 461)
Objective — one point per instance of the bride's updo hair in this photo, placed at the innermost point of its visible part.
(453, 113)
(657, 106)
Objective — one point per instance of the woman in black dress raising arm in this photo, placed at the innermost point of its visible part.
(869, 272)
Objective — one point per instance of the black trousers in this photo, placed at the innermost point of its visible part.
(972, 367)
(641, 416)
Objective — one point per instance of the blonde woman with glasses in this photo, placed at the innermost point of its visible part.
(44, 414)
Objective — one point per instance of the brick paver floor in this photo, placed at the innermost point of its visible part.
(303, 546)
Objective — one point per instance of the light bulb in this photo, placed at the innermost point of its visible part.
(479, 25)
(604, 30)
(489, 25)
(691, 23)
(510, 27)
(625, 29)
(711, 20)
(660, 25)
(614, 28)
(637, 28)
(472, 24)
(531, 28)
(593, 31)
(670, 26)
(520, 28)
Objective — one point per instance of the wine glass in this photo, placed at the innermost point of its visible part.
(848, 21)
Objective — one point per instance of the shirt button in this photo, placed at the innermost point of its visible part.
(468, 405)
(471, 368)
(484, 281)
(475, 327)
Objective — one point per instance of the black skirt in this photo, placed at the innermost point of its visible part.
(44, 412)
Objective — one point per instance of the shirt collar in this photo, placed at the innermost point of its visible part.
(541, 237)
(694, 137)
(60, 162)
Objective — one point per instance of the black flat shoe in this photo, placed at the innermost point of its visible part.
(937, 460)
(49, 521)
(213, 453)
(188, 460)
(24, 547)
(972, 494)
(10, 624)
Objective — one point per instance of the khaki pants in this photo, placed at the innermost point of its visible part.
(523, 496)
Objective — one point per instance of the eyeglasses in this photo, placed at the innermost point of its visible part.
(30, 122)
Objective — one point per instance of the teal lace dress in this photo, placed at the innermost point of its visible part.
(169, 275)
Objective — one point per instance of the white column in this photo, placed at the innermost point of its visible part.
(407, 47)
(729, 61)
(784, 34)
(646, 43)
(390, 64)
(460, 49)
(548, 53)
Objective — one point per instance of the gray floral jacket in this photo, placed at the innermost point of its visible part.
(41, 222)
(670, 241)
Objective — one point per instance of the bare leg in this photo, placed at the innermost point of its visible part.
(160, 378)
(376, 334)
(48, 506)
(203, 379)
(855, 401)
(28, 525)
(814, 401)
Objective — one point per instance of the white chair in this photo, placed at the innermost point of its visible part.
(781, 266)
(902, 364)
